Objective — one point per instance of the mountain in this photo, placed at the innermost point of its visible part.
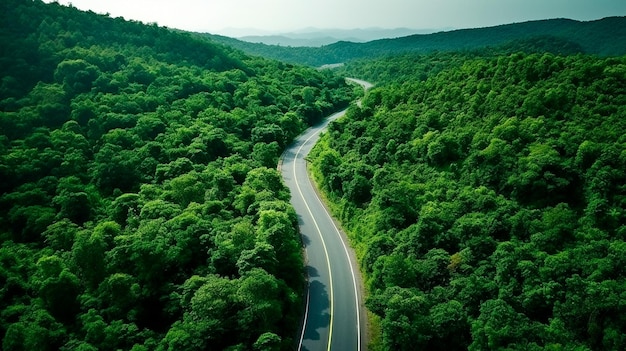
(604, 37)
(285, 40)
(314, 37)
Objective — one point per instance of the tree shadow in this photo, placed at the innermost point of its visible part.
(318, 316)
(289, 153)
(312, 272)
(300, 220)
(303, 237)
(305, 240)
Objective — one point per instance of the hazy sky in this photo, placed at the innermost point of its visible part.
(283, 15)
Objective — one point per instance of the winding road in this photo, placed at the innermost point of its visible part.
(333, 318)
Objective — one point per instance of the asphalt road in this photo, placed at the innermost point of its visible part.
(333, 317)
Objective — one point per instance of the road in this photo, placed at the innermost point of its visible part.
(333, 318)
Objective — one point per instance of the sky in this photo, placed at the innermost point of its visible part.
(266, 16)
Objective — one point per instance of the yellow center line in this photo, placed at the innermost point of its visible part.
(330, 276)
(345, 247)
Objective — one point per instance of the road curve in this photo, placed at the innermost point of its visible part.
(333, 318)
(366, 85)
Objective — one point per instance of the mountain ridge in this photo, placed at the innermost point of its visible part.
(316, 37)
(604, 37)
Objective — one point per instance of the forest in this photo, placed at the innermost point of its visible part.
(485, 196)
(140, 206)
(483, 187)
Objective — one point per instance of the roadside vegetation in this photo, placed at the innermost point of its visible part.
(484, 193)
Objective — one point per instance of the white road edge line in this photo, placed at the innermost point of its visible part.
(345, 248)
(330, 277)
(306, 315)
(356, 292)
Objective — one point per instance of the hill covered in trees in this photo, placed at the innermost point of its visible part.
(485, 197)
(140, 208)
(605, 37)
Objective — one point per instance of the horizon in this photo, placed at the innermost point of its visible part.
(283, 16)
(315, 30)
(310, 31)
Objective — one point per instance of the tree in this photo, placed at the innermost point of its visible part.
(261, 256)
(118, 294)
(280, 232)
(94, 327)
(116, 168)
(36, 330)
(259, 295)
(88, 253)
(329, 162)
(396, 270)
(29, 222)
(73, 202)
(267, 179)
(77, 76)
(266, 154)
(267, 342)
(60, 235)
(125, 207)
(59, 289)
(214, 307)
(405, 323)
(186, 188)
(451, 327)
(500, 326)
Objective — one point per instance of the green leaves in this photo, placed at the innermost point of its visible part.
(76, 75)
(133, 158)
(500, 326)
(495, 187)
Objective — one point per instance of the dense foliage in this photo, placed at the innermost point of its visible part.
(486, 200)
(603, 37)
(140, 207)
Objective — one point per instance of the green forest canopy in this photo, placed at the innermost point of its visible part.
(485, 195)
(140, 207)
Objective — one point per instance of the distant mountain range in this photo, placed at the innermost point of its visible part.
(604, 37)
(315, 37)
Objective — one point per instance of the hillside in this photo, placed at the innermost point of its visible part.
(605, 37)
(485, 197)
(140, 206)
(282, 40)
(315, 37)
